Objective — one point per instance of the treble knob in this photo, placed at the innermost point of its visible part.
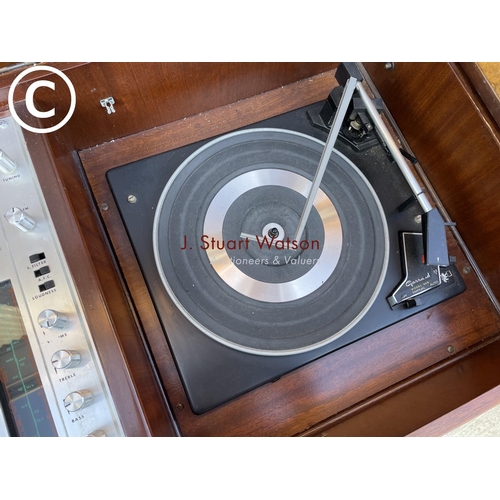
(20, 219)
(52, 319)
(78, 400)
(64, 359)
(7, 165)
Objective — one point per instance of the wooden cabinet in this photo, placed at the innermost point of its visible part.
(391, 383)
(457, 142)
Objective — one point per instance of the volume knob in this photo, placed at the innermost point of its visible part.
(7, 165)
(78, 400)
(65, 359)
(52, 319)
(20, 219)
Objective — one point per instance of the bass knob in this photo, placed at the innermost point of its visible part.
(78, 400)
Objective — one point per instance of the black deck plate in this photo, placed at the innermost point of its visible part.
(212, 373)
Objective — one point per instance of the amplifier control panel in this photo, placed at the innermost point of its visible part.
(51, 379)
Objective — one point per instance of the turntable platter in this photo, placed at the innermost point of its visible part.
(223, 243)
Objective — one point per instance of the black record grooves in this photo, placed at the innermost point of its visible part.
(230, 316)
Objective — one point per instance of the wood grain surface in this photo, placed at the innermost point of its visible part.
(485, 79)
(471, 409)
(429, 404)
(407, 369)
(458, 146)
(381, 363)
(148, 95)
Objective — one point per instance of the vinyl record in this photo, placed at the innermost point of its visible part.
(224, 243)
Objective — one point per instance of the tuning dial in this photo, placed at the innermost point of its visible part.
(78, 400)
(52, 319)
(65, 359)
(97, 434)
(7, 165)
(20, 219)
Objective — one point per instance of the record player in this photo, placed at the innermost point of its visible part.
(225, 298)
(270, 246)
(365, 343)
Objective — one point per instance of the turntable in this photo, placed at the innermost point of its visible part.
(270, 246)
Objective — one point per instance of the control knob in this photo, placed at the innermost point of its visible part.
(52, 319)
(65, 358)
(7, 165)
(96, 434)
(20, 219)
(78, 400)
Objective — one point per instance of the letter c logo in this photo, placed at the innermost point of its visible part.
(30, 106)
(29, 99)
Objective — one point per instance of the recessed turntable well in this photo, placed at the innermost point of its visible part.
(328, 389)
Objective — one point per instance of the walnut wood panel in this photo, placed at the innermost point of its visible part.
(430, 404)
(7, 78)
(330, 385)
(485, 77)
(148, 95)
(458, 146)
(468, 411)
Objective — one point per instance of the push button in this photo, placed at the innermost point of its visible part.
(42, 271)
(46, 286)
(36, 257)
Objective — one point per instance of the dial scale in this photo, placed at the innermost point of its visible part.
(33, 264)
